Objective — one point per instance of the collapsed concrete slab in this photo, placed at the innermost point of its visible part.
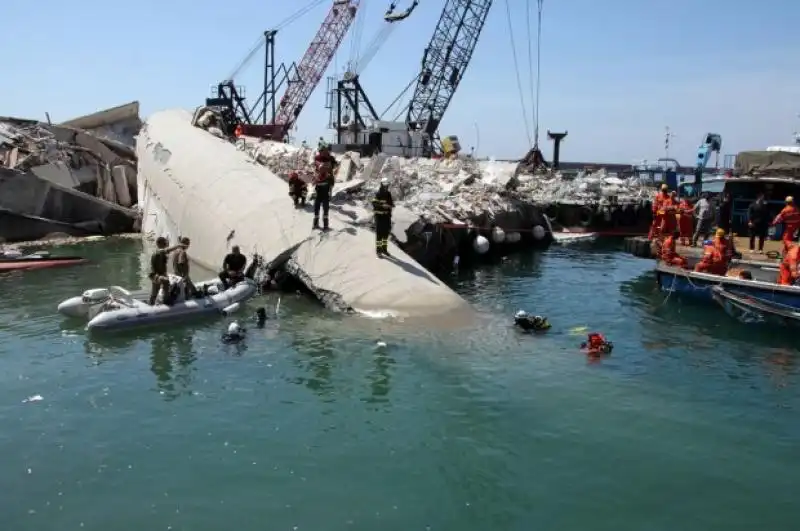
(48, 205)
(194, 184)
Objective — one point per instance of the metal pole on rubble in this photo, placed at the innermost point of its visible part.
(477, 139)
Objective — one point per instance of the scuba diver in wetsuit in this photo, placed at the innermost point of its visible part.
(531, 323)
(236, 333)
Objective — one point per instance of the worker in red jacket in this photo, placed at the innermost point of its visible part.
(790, 217)
(669, 252)
(789, 272)
(325, 165)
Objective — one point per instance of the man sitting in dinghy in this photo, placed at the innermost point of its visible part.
(669, 252)
(158, 269)
(233, 267)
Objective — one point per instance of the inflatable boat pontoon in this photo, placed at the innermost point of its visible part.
(116, 308)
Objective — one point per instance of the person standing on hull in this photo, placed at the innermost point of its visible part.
(233, 267)
(158, 269)
(323, 184)
(382, 205)
(180, 266)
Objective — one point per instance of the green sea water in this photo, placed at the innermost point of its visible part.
(691, 424)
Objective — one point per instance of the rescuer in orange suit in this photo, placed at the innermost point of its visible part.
(724, 246)
(669, 252)
(790, 266)
(790, 217)
(658, 214)
(716, 256)
(238, 132)
(685, 221)
(669, 220)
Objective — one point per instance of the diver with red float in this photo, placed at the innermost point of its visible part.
(597, 345)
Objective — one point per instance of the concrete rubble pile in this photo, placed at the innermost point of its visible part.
(585, 188)
(62, 179)
(439, 190)
(452, 190)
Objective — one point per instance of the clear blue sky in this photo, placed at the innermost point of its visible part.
(614, 73)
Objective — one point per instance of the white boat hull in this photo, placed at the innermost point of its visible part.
(573, 237)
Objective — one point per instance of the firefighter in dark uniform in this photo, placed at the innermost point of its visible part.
(297, 189)
(382, 205)
(323, 184)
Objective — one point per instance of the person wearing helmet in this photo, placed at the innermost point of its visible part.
(790, 217)
(325, 165)
(234, 334)
(298, 189)
(716, 257)
(382, 205)
(530, 323)
(658, 212)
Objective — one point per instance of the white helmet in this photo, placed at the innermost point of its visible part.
(385, 181)
(234, 328)
(520, 314)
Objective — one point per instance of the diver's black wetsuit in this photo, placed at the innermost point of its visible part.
(532, 323)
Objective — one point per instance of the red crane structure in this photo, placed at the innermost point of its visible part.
(300, 79)
(314, 63)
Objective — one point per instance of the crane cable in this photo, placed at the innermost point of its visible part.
(262, 41)
(356, 35)
(535, 91)
(516, 71)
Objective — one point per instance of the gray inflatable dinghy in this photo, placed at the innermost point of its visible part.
(116, 308)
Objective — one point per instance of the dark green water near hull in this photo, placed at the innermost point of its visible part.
(692, 423)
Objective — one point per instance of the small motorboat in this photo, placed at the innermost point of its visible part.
(13, 260)
(116, 308)
(750, 309)
(700, 285)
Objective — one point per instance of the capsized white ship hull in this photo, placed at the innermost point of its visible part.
(194, 184)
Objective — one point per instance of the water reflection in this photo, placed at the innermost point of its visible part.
(171, 362)
(315, 356)
(380, 378)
